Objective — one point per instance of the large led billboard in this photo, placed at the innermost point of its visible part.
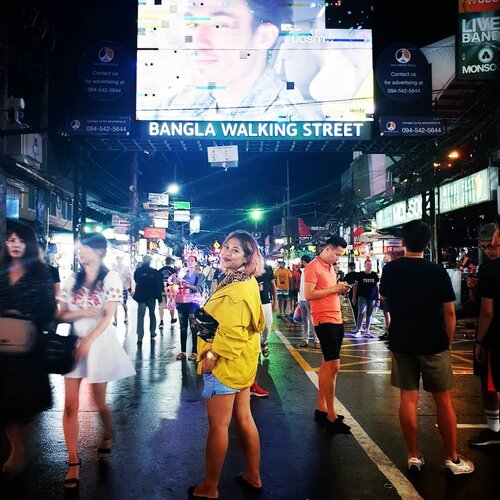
(254, 61)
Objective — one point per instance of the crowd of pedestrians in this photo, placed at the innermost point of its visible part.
(230, 331)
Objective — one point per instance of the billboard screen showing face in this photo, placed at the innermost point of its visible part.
(254, 60)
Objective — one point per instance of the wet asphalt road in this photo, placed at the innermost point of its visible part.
(160, 430)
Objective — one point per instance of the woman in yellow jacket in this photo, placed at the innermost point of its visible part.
(229, 363)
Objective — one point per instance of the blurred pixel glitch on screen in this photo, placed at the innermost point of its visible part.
(254, 60)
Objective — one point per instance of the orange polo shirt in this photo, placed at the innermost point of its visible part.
(322, 275)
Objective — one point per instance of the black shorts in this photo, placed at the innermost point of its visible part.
(330, 337)
(489, 371)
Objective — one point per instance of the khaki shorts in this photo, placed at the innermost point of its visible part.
(435, 370)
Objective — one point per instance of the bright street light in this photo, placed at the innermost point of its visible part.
(256, 214)
(173, 188)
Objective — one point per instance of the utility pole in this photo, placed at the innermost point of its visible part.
(76, 209)
(134, 206)
(42, 194)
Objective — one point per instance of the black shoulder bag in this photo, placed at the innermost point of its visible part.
(59, 351)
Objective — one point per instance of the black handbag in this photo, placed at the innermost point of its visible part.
(59, 352)
(204, 325)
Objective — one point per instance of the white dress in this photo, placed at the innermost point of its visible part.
(107, 360)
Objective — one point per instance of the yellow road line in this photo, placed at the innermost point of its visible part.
(401, 484)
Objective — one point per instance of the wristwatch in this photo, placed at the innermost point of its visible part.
(211, 356)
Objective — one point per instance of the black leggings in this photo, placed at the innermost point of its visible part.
(185, 314)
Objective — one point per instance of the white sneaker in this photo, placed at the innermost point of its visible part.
(415, 463)
(463, 466)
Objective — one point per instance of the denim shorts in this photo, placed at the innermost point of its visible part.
(213, 387)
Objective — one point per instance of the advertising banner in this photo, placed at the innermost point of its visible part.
(98, 125)
(249, 61)
(399, 213)
(105, 71)
(478, 40)
(471, 190)
(154, 233)
(411, 126)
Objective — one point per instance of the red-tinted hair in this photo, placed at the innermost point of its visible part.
(254, 261)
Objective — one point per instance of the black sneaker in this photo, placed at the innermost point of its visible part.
(384, 337)
(486, 437)
(173, 321)
(337, 427)
(161, 324)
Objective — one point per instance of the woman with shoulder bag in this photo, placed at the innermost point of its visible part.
(89, 300)
(26, 287)
(229, 363)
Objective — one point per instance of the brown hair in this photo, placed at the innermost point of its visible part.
(254, 261)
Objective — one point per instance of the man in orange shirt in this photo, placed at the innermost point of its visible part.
(322, 291)
(283, 277)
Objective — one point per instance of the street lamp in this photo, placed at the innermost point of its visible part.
(256, 215)
(173, 188)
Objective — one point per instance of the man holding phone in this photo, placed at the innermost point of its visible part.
(322, 291)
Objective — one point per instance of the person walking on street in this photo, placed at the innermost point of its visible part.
(420, 297)
(485, 290)
(351, 278)
(187, 301)
(126, 278)
(283, 277)
(166, 271)
(26, 288)
(89, 300)
(322, 291)
(148, 289)
(366, 293)
(269, 300)
(305, 310)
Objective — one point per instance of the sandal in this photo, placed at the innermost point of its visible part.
(317, 345)
(247, 485)
(265, 350)
(303, 343)
(180, 356)
(102, 451)
(191, 494)
(74, 482)
(193, 356)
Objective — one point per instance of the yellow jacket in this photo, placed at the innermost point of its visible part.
(238, 310)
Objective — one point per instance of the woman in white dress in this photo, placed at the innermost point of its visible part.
(89, 300)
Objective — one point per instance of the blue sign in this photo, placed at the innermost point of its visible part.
(402, 72)
(102, 125)
(411, 126)
(292, 131)
(105, 71)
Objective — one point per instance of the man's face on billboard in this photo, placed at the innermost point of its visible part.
(224, 46)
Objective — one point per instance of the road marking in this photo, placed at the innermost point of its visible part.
(404, 488)
(472, 426)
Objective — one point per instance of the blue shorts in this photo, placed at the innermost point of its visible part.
(214, 387)
(282, 294)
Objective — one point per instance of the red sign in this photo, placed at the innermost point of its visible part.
(154, 233)
(304, 231)
(394, 247)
